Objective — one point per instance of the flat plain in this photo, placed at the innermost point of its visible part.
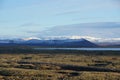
(25, 64)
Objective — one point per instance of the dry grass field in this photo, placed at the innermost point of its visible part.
(56, 65)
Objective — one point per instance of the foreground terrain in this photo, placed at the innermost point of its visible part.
(59, 65)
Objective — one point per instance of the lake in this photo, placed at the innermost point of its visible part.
(84, 49)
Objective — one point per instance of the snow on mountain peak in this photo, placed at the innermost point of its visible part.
(30, 38)
(92, 39)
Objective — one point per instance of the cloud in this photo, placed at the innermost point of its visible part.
(29, 25)
(32, 28)
(33, 32)
(101, 29)
(67, 12)
(86, 6)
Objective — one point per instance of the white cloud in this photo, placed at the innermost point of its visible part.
(103, 30)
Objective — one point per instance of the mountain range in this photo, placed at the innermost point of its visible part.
(62, 42)
(50, 43)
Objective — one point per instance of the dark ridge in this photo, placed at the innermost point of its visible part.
(53, 43)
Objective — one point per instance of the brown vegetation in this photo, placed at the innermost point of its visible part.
(60, 66)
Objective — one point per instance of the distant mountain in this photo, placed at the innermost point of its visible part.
(108, 44)
(62, 43)
(53, 43)
(103, 42)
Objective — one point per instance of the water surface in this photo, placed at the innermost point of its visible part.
(86, 49)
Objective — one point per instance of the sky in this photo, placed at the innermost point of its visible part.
(27, 18)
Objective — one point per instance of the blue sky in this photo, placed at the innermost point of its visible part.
(19, 17)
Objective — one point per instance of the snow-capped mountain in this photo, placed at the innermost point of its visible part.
(92, 39)
(67, 41)
(61, 39)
